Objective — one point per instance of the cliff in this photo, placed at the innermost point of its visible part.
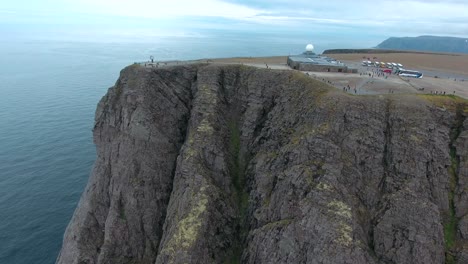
(232, 164)
(426, 43)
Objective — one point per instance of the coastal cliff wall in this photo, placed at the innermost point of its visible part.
(233, 164)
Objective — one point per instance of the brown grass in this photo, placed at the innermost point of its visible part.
(268, 60)
(456, 63)
(448, 102)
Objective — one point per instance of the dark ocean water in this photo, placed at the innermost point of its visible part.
(48, 94)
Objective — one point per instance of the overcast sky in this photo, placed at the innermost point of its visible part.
(359, 18)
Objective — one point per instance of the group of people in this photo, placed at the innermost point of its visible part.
(440, 92)
(348, 88)
(157, 64)
(377, 73)
(327, 81)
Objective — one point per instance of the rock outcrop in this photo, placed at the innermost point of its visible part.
(232, 164)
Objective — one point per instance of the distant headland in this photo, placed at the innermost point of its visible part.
(427, 43)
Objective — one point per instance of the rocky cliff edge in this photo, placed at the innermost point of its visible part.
(232, 164)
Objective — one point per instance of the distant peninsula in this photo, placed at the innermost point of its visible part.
(426, 43)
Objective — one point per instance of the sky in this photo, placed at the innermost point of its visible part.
(368, 20)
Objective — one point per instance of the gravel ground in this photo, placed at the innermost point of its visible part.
(451, 78)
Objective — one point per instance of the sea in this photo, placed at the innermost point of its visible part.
(49, 89)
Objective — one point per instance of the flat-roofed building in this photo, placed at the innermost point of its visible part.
(309, 61)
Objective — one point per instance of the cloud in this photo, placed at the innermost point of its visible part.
(169, 9)
(426, 16)
(387, 17)
(396, 16)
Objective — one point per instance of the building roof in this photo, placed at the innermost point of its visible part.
(311, 58)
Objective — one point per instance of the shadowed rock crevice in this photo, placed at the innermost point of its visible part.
(386, 159)
(382, 205)
(232, 164)
(453, 241)
(240, 195)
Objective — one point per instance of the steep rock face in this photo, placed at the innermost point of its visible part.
(230, 164)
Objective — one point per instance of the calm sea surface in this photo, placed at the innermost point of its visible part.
(48, 94)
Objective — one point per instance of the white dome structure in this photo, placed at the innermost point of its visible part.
(309, 48)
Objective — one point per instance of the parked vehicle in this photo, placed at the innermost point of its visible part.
(409, 73)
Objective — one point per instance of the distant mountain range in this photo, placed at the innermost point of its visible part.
(426, 43)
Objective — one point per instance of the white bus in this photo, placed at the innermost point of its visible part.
(408, 73)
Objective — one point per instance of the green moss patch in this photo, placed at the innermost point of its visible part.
(449, 102)
(451, 220)
(237, 166)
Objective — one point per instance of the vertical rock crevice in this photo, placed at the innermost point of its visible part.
(237, 166)
(451, 220)
(232, 86)
(206, 227)
(382, 205)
